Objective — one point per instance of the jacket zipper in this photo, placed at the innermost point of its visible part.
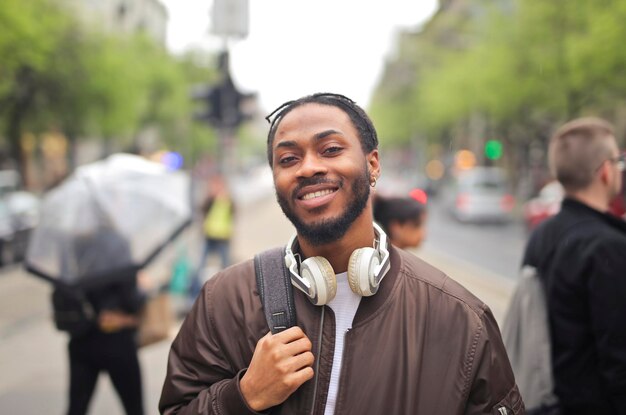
(317, 363)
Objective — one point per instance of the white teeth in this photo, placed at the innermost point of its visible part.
(316, 194)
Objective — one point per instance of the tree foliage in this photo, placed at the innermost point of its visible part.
(56, 73)
(523, 66)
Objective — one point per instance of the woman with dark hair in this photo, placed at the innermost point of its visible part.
(402, 218)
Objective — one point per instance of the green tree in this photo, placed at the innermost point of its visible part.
(521, 67)
(56, 73)
(31, 34)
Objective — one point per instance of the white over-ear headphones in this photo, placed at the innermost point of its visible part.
(366, 269)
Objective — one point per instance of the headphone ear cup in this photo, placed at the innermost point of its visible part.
(320, 273)
(361, 267)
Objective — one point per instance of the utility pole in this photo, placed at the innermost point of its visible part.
(225, 107)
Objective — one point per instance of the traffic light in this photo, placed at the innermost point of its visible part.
(225, 106)
(206, 110)
(493, 149)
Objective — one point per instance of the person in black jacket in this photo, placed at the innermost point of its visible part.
(580, 255)
(109, 345)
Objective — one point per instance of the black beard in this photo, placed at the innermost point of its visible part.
(329, 230)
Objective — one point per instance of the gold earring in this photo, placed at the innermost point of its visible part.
(373, 181)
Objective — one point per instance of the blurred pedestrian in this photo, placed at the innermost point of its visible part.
(415, 342)
(402, 218)
(580, 256)
(218, 212)
(107, 342)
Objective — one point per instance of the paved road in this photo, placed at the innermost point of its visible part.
(496, 247)
(33, 372)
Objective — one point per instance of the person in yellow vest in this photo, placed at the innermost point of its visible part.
(218, 226)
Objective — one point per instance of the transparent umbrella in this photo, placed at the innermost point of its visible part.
(108, 218)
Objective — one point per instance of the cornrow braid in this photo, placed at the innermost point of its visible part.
(360, 120)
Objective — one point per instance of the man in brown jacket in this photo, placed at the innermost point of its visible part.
(415, 342)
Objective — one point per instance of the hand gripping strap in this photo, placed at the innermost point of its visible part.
(274, 285)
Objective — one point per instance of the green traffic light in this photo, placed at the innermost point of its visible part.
(493, 149)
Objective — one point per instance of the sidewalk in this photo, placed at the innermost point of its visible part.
(33, 357)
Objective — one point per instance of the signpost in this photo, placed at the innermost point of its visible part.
(225, 108)
(230, 18)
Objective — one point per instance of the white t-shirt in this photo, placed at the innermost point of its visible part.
(344, 306)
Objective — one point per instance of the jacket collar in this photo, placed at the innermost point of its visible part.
(570, 204)
(369, 305)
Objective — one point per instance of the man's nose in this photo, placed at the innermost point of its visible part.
(311, 165)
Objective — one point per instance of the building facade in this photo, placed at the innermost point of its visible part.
(125, 16)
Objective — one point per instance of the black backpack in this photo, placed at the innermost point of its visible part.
(274, 286)
(72, 311)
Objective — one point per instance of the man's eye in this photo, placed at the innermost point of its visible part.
(286, 159)
(332, 150)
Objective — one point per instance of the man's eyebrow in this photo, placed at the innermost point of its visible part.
(326, 133)
(286, 144)
(317, 137)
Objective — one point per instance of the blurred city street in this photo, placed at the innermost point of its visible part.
(123, 122)
(33, 356)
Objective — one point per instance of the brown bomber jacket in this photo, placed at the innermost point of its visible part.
(422, 345)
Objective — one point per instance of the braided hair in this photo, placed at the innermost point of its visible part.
(360, 120)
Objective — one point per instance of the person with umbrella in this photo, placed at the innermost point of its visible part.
(107, 340)
(98, 229)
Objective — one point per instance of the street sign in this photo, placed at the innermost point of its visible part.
(230, 18)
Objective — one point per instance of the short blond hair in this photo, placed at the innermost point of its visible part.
(577, 149)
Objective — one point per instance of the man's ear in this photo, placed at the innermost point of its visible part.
(604, 172)
(373, 163)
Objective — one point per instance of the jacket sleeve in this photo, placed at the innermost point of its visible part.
(199, 379)
(607, 305)
(492, 388)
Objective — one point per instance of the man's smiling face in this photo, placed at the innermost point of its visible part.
(320, 171)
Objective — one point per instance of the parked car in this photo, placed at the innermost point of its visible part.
(19, 214)
(481, 194)
(22, 208)
(548, 203)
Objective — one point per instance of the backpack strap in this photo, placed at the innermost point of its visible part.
(274, 286)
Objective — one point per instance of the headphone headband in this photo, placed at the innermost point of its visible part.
(380, 245)
(292, 265)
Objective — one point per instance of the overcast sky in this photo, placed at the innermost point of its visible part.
(297, 47)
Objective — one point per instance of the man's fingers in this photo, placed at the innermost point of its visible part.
(289, 335)
(294, 380)
(298, 346)
(296, 363)
(301, 376)
(290, 351)
(290, 342)
(303, 360)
